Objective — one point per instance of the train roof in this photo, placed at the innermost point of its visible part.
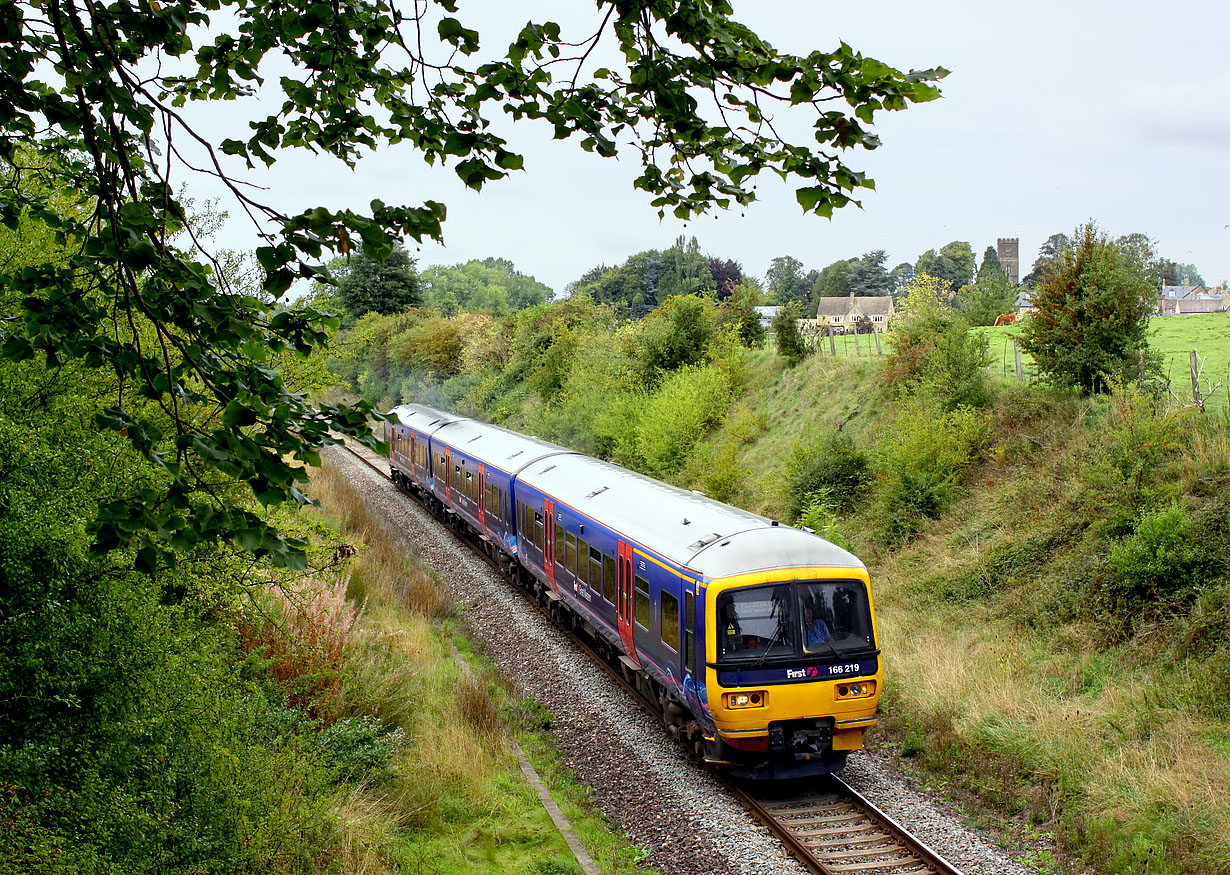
(688, 528)
(497, 447)
(422, 417)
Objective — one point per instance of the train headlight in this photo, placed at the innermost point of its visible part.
(754, 699)
(857, 690)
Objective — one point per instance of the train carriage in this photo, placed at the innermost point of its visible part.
(756, 640)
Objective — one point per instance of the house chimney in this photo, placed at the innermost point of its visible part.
(851, 299)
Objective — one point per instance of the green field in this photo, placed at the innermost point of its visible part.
(1173, 336)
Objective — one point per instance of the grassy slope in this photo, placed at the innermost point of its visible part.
(1007, 677)
(454, 800)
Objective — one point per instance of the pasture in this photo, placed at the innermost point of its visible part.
(1173, 337)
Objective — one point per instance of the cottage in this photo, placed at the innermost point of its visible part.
(844, 314)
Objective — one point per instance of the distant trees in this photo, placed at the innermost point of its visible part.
(1092, 314)
(648, 278)
(492, 285)
(786, 281)
(954, 264)
(365, 285)
(868, 276)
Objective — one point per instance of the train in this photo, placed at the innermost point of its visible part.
(756, 641)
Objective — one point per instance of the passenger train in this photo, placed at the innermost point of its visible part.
(757, 641)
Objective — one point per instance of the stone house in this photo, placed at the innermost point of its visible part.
(844, 313)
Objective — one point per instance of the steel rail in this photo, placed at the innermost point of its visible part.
(835, 831)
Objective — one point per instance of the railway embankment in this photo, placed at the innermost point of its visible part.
(1052, 580)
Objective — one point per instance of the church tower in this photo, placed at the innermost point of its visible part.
(1008, 251)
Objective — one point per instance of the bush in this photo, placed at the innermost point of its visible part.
(786, 334)
(820, 516)
(924, 462)
(683, 410)
(932, 351)
(1159, 560)
(360, 748)
(832, 466)
(674, 336)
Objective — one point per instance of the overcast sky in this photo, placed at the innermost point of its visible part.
(1054, 113)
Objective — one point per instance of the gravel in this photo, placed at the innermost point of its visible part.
(662, 800)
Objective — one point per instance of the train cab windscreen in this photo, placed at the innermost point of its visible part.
(799, 618)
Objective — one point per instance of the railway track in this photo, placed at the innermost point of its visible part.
(832, 829)
(826, 825)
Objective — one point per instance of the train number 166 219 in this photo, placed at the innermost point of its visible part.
(848, 668)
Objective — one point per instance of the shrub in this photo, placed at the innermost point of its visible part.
(681, 412)
(786, 334)
(360, 748)
(1159, 560)
(820, 516)
(674, 336)
(924, 462)
(932, 351)
(832, 466)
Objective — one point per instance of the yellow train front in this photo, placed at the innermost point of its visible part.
(792, 662)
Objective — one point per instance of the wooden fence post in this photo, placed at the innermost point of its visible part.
(857, 352)
(1195, 366)
(832, 342)
(1016, 351)
(879, 351)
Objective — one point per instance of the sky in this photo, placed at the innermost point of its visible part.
(1055, 113)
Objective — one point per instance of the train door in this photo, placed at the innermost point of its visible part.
(448, 476)
(690, 678)
(482, 498)
(624, 600)
(548, 541)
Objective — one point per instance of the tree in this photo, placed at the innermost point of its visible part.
(786, 334)
(834, 281)
(1049, 255)
(987, 298)
(954, 264)
(785, 281)
(868, 276)
(900, 277)
(684, 270)
(365, 285)
(1091, 319)
(743, 302)
(990, 264)
(354, 77)
(727, 276)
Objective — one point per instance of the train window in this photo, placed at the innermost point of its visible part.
(582, 570)
(538, 530)
(608, 578)
(570, 553)
(668, 620)
(689, 623)
(559, 539)
(640, 605)
(595, 569)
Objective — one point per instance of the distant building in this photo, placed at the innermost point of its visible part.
(1008, 249)
(1181, 300)
(766, 314)
(844, 313)
(1174, 293)
(1025, 301)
